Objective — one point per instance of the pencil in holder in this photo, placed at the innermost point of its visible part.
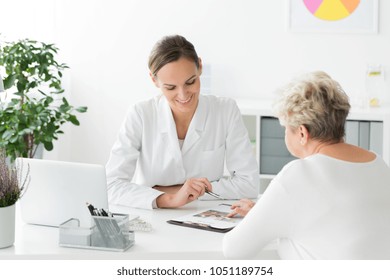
(111, 232)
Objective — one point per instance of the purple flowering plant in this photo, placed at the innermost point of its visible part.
(12, 183)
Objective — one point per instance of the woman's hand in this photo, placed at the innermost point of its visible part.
(190, 191)
(241, 207)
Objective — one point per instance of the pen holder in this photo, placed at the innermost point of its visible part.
(106, 233)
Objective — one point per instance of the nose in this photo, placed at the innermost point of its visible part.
(182, 93)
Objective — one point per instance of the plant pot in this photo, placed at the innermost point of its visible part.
(7, 226)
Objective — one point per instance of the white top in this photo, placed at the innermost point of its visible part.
(181, 142)
(320, 208)
(148, 141)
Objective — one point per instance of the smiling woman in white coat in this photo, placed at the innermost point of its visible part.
(172, 149)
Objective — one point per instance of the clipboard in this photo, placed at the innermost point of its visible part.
(211, 219)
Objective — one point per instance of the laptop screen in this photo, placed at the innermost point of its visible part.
(59, 191)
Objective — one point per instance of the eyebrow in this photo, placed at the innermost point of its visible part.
(193, 76)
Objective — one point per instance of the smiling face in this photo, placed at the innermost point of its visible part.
(179, 81)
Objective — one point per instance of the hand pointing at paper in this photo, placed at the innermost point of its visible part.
(241, 207)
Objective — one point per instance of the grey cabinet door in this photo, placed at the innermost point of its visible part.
(273, 151)
(365, 134)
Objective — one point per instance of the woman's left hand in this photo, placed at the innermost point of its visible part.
(241, 207)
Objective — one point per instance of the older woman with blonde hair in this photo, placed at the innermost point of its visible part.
(331, 203)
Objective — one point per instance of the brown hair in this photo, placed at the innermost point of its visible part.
(169, 49)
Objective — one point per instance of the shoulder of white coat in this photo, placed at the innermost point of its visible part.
(140, 111)
(146, 105)
(224, 103)
(143, 107)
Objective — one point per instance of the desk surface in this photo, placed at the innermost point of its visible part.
(165, 241)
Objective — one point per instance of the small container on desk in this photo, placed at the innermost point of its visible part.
(106, 233)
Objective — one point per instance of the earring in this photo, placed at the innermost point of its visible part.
(301, 142)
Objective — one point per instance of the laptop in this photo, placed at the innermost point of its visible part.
(59, 191)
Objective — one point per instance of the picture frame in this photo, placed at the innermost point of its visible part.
(333, 16)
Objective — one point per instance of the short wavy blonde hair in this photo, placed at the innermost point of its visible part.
(316, 101)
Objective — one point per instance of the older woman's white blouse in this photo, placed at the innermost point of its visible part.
(320, 208)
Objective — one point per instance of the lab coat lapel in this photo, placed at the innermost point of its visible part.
(167, 128)
(197, 125)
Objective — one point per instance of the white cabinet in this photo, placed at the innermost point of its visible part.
(369, 128)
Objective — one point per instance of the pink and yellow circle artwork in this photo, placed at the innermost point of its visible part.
(331, 9)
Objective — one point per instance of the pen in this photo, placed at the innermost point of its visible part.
(226, 204)
(104, 213)
(213, 194)
(91, 208)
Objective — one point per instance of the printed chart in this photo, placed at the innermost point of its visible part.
(331, 10)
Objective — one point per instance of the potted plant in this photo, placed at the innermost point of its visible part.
(34, 113)
(13, 183)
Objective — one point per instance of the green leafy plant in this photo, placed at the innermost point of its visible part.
(13, 181)
(36, 110)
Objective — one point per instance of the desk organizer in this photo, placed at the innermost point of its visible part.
(106, 233)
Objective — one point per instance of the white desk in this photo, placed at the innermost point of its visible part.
(165, 241)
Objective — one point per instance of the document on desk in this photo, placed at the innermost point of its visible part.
(212, 219)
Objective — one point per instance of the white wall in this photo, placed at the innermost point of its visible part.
(246, 44)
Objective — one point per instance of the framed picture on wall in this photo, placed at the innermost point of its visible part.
(335, 16)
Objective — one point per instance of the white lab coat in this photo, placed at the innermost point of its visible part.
(147, 153)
